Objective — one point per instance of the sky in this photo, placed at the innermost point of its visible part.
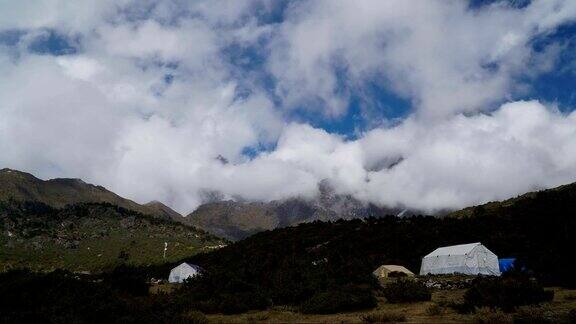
(429, 105)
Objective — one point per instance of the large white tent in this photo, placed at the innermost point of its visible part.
(471, 259)
(183, 272)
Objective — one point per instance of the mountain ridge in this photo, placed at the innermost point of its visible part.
(236, 220)
(59, 192)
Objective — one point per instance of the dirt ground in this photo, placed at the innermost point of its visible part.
(564, 301)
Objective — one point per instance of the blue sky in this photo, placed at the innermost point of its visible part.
(143, 97)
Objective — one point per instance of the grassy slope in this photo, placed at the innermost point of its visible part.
(564, 301)
(500, 208)
(91, 237)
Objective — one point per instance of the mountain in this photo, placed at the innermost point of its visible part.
(70, 224)
(157, 208)
(92, 237)
(543, 200)
(21, 186)
(236, 220)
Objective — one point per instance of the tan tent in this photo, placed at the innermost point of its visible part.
(384, 270)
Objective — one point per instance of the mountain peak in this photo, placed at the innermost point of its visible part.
(59, 192)
(159, 207)
(8, 171)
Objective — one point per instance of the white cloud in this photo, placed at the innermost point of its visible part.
(151, 99)
(443, 56)
(469, 160)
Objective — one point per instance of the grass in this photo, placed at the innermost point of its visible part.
(420, 312)
(95, 253)
(384, 317)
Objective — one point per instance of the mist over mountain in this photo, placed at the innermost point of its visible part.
(427, 104)
(236, 220)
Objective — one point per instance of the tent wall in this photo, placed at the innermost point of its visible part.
(384, 270)
(181, 273)
(478, 261)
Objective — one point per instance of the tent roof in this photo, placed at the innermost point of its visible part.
(392, 267)
(187, 265)
(454, 249)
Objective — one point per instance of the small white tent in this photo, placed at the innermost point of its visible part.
(183, 272)
(471, 259)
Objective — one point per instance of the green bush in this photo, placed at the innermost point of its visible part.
(506, 293)
(339, 300)
(384, 317)
(406, 291)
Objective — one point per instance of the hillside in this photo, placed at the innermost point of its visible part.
(91, 237)
(326, 262)
(236, 220)
(293, 264)
(525, 203)
(21, 186)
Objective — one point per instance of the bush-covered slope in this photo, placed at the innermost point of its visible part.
(293, 265)
(91, 236)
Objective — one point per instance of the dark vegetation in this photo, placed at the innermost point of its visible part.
(326, 267)
(506, 293)
(406, 291)
(62, 297)
(346, 298)
(293, 265)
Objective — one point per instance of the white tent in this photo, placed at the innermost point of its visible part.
(471, 259)
(183, 272)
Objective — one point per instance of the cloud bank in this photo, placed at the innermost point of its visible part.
(172, 100)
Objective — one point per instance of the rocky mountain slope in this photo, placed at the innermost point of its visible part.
(236, 220)
(20, 186)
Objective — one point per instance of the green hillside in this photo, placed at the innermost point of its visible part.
(294, 264)
(91, 237)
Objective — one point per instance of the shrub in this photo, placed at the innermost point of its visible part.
(572, 316)
(530, 315)
(406, 291)
(486, 315)
(506, 293)
(570, 297)
(259, 317)
(384, 317)
(195, 317)
(434, 310)
(339, 300)
(127, 279)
